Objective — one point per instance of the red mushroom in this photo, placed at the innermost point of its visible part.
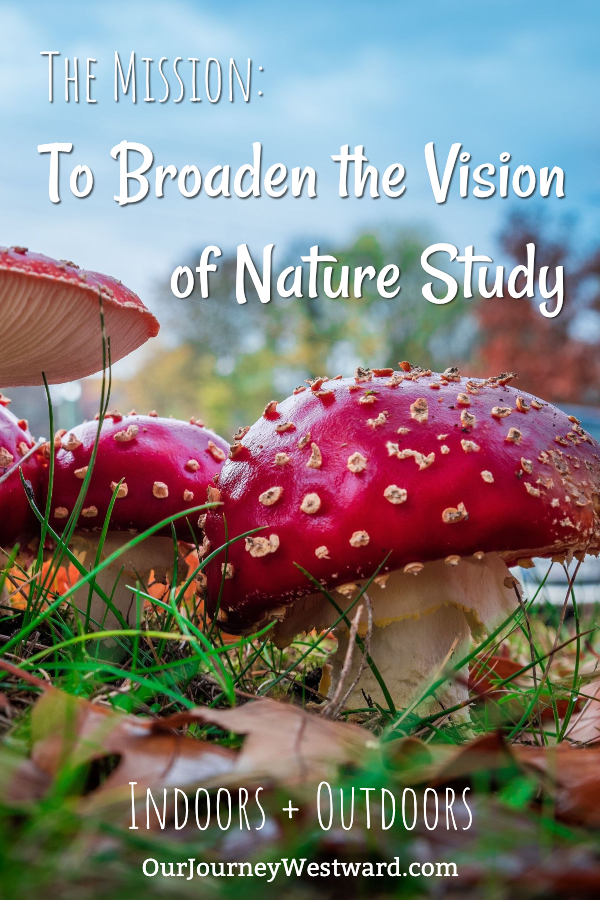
(51, 319)
(440, 480)
(17, 454)
(158, 467)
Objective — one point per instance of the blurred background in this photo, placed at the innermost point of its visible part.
(522, 79)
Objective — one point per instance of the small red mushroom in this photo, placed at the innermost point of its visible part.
(158, 467)
(17, 454)
(442, 491)
(50, 313)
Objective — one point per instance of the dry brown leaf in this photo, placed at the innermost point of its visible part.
(585, 728)
(283, 741)
(487, 753)
(68, 729)
(572, 775)
(21, 781)
(489, 670)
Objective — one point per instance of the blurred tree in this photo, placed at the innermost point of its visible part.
(225, 361)
(555, 358)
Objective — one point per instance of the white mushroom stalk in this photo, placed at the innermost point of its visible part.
(153, 556)
(423, 625)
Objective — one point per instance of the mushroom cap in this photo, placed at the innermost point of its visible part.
(51, 319)
(411, 464)
(16, 517)
(165, 464)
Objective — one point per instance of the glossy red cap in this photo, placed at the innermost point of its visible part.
(165, 465)
(17, 520)
(412, 464)
(50, 314)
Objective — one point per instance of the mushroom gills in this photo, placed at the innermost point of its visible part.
(422, 624)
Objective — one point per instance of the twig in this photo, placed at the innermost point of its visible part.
(336, 702)
(21, 460)
(532, 653)
(25, 676)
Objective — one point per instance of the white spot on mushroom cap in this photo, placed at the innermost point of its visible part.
(123, 437)
(395, 494)
(535, 492)
(419, 410)
(216, 452)
(455, 514)
(160, 490)
(311, 504)
(6, 458)
(357, 462)
(122, 491)
(270, 496)
(420, 459)
(316, 458)
(228, 571)
(72, 443)
(359, 539)
(262, 546)
(378, 420)
(468, 419)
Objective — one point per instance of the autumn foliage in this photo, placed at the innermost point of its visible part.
(549, 355)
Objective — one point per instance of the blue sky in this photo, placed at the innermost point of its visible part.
(517, 77)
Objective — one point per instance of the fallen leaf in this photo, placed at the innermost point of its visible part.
(21, 781)
(585, 728)
(572, 775)
(67, 730)
(487, 671)
(283, 741)
(486, 754)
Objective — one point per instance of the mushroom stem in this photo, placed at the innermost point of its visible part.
(410, 655)
(155, 554)
(423, 624)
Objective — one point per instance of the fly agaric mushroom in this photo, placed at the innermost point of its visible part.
(51, 319)
(17, 453)
(158, 467)
(440, 480)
